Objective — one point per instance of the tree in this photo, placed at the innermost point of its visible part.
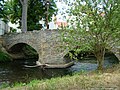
(1, 8)
(11, 12)
(38, 7)
(2, 12)
(36, 12)
(24, 4)
(95, 26)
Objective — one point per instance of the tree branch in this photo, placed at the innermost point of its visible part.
(21, 1)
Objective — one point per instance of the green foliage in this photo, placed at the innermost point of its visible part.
(93, 24)
(4, 57)
(3, 14)
(28, 50)
(12, 30)
(4, 85)
(36, 12)
(94, 27)
(1, 8)
(18, 84)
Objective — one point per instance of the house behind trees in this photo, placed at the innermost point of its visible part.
(4, 28)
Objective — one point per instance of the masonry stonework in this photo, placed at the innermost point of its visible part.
(45, 42)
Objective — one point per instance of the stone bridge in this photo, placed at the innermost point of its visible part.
(116, 51)
(45, 42)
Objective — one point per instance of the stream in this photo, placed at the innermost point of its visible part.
(12, 72)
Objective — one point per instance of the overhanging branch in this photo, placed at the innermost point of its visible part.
(21, 1)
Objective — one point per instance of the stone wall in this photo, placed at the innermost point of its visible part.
(46, 43)
(116, 51)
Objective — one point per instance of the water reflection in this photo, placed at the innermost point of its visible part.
(11, 72)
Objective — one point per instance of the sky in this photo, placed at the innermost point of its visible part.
(62, 8)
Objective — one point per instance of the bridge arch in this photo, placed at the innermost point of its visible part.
(23, 49)
(115, 52)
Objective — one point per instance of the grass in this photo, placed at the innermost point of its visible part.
(109, 79)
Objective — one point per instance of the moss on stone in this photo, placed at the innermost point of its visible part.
(4, 57)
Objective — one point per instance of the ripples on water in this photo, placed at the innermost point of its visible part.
(11, 72)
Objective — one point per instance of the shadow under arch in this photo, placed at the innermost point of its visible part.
(72, 55)
(114, 58)
(73, 50)
(23, 51)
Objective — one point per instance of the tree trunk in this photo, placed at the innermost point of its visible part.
(99, 54)
(24, 15)
(100, 61)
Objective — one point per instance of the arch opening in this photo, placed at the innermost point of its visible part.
(72, 54)
(23, 51)
(85, 55)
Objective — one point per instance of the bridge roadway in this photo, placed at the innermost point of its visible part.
(45, 42)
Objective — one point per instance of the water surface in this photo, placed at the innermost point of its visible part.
(11, 72)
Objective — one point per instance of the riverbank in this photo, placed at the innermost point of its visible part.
(4, 55)
(109, 79)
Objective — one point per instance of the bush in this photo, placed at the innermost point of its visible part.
(4, 57)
